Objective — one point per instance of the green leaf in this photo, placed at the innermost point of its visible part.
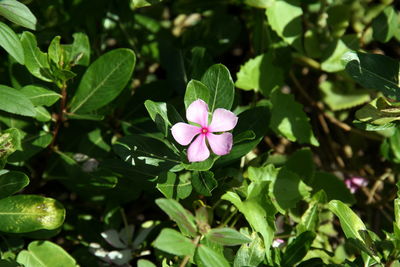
(30, 145)
(375, 72)
(147, 155)
(174, 186)
(301, 162)
(289, 119)
(227, 237)
(196, 90)
(45, 254)
(204, 182)
(260, 74)
(164, 115)
(55, 51)
(143, 3)
(288, 189)
(297, 249)
(337, 97)
(104, 80)
(309, 220)
(285, 18)
(219, 82)
(385, 25)
(332, 58)
(379, 112)
(338, 19)
(259, 3)
(78, 53)
(175, 243)
(333, 187)
(35, 60)
(13, 101)
(184, 219)
(18, 13)
(11, 43)
(10, 141)
(42, 114)
(251, 254)
(40, 96)
(145, 263)
(12, 182)
(209, 257)
(27, 213)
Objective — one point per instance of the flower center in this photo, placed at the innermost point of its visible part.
(204, 130)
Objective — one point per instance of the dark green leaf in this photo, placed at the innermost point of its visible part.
(174, 186)
(12, 182)
(297, 249)
(40, 96)
(260, 74)
(103, 81)
(11, 43)
(175, 243)
(13, 101)
(374, 72)
(289, 119)
(385, 25)
(204, 182)
(27, 213)
(196, 90)
(301, 162)
(18, 13)
(45, 254)
(219, 82)
(333, 187)
(30, 145)
(227, 237)
(184, 219)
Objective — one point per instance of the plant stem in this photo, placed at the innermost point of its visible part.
(60, 116)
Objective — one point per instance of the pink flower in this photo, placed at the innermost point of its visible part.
(355, 182)
(222, 120)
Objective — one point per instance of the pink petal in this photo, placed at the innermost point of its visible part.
(198, 112)
(198, 150)
(184, 133)
(222, 120)
(359, 181)
(221, 144)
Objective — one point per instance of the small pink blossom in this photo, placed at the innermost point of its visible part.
(355, 182)
(222, 120)
(278, 243)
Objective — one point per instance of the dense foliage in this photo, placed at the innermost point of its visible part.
(306, 94)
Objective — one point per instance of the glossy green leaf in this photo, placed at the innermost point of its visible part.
(374, 72)
(297, 249)
(40, 96)
(332, 58)
(10, 141)
(45, 254)
(12, 182)
(147, 155)
(174, 186)
(251, 254)
(18, 13)
(78, 53)
(385, 25)
(219, 81)
(260, 74)
(35, 60)
(196, 90)
(15, 102)
(288, 189)
(289, 119)
(227, 237)
(285, 18)
(27, 213)
(184, 219)
(209, 257)
(204, 182)
(175, 243)
(333, 187)
(103, 81)
(11, 43)
(338, 98)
